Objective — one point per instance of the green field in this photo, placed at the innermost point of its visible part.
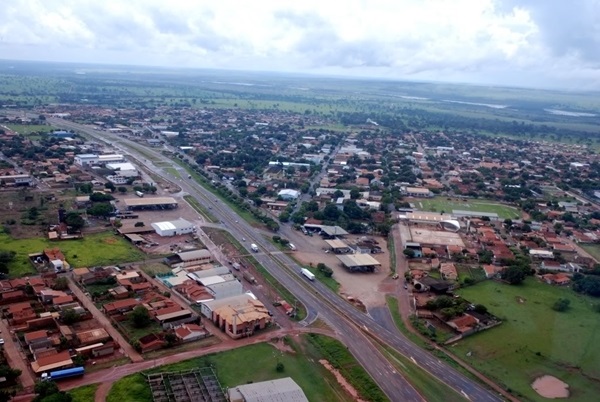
(27, 129)
(439, 204)
(93, 250)
(592, 249)
(201, 209)
(534, 340)
(260, 362)
(84, 394)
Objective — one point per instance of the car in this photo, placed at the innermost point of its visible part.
(237, 221)
(243, 239)
(405, 286)
(1, 341)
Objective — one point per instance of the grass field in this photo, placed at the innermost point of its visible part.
(93, 250)
(535, 340)
(84, 394)
(313, 378)
(155, 269)
(27, 129)
(592, 249)
(439, 204)
(202, 210)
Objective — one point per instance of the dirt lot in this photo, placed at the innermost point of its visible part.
(370, 288)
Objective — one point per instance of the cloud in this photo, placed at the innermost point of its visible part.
(491, 41)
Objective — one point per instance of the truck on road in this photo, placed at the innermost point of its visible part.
(249, 277)
(308, 274)
(139, 194)
(254, 247)
(60, 374)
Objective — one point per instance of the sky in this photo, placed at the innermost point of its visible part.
(533, 43)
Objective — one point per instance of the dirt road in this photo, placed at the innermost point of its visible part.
(15, 358)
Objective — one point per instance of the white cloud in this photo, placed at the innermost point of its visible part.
(468, 40)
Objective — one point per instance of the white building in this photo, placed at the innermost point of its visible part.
(173, 228)
(117, 179)
(86, 159)
(282, 389)
(124, 169)
(289, 194)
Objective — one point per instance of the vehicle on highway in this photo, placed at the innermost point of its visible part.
(291, 247)
(254, 247)
(243, 239)
(308, 274)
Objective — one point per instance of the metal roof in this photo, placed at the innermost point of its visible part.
(280, 390)
(194, 255)
(358, 260)
(133, 202)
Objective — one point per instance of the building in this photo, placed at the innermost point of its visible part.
(16, 180)
(288, 194)
(86, 159)
(173, 228)
(150, 203)
(359, 262)
(418, 192)
(124, 169)
(448, 271)
(190, 332)
(190, 258)
(283, 389)
(52, 362)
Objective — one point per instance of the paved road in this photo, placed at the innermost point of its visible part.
(15, 358)
(105, 322)
(347, 321)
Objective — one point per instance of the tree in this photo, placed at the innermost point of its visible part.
(140, 317)
(280, 368)
(122, 189)
(70, 316)
(61, 283)
(5, 258)
(100, 210)
(331, 212)
(110, 186)
(561, 305)
(101, 197)
(480, 308)
(75, 221)
(47, 391)
(513, 274)
(325, 270)
(170, 338)
(409, 253)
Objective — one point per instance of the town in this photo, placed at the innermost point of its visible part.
(137, 237)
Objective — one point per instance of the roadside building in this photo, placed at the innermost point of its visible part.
(419, 192)
(283, 389)
(359, 262)
(52, 362)
(189, 258)
(190, 332)
(150, 203)
(173, 228)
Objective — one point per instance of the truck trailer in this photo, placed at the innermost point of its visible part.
(308, 274)
(254, 247)
(60, 374)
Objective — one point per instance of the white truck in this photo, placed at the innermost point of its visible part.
(254, 247)
(308, 274)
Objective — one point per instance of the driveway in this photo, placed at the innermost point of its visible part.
(105, 322)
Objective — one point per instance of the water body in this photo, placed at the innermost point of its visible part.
(490, 105)
(567, 113)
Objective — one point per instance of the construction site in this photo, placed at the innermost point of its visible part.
(196, 385)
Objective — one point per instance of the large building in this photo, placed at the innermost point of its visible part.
(288, 194)
(359, 262)
(189, 258)
(280, 390)
(173, 228)
(237, 316)
(419, 192)
(150, 203)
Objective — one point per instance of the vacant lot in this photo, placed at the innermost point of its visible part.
(534, 339)
(316, 381)
(27, 129)
(592, 249)
(84, 394)
(439, 204)
(93, 250)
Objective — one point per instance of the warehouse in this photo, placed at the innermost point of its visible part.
(189, 258)
(173, 228)
(359, 262)
(282, 389)
(124, 169)
(150, 203)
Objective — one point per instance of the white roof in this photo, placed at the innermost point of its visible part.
(288, 191)
(357, 260)
(211, 280)
(120, 166)
(280, 390)
(194, 255)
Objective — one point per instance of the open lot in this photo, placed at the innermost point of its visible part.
(367, 287)
(591, 249)
(427, 236)
(301, 364)
(535, 340)
(93, 250)
(439, 204)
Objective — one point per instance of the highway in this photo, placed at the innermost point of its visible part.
(353, 327)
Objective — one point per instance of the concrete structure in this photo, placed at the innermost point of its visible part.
(125, 169)
(189, 258)
(16, 180)
(239, 317)
(419, 192)
(86, 159)
(359, 262)
(288, 194)
(150, 203)
(459, 213)
(280, 390)
(338, 246)
(173, 228)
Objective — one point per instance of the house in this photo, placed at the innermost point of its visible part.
(491, 271)
(551, 265)
(52, 362)
(464, 323)
(417, 192)
(120, 306)
(559, 279)
(448, 271)
(190, 332)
